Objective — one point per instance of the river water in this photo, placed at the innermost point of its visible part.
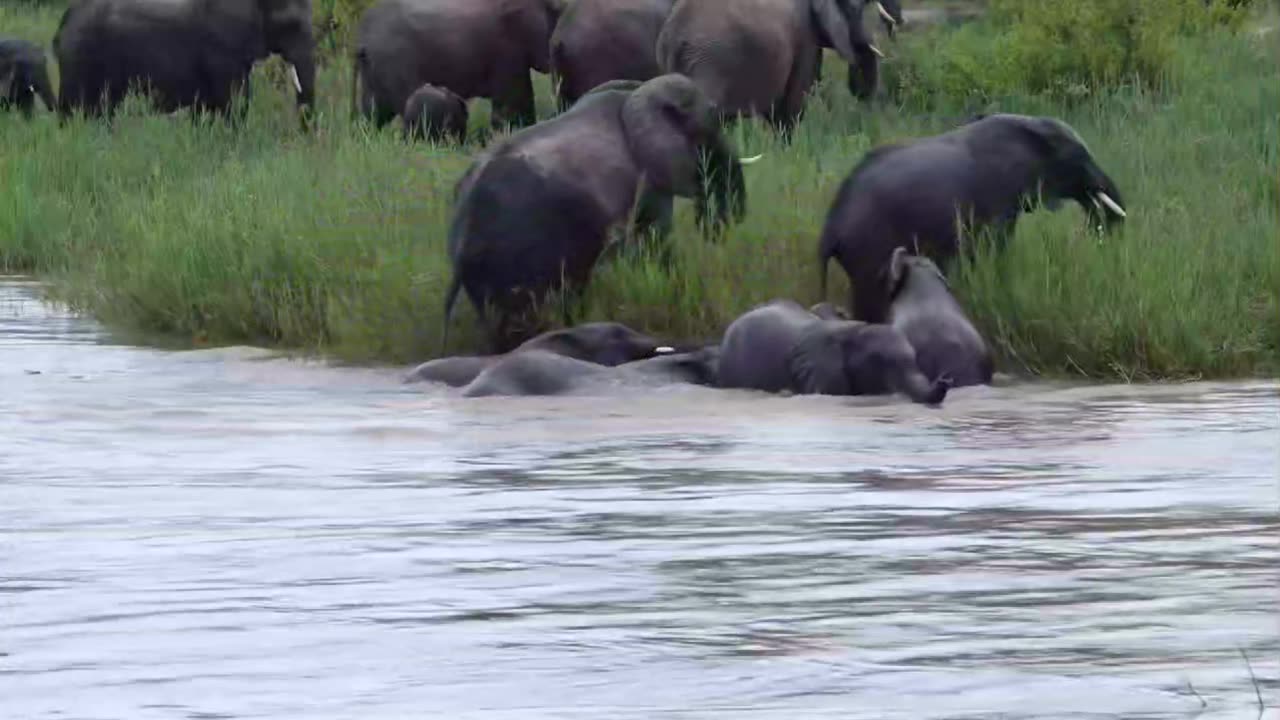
(227, 534)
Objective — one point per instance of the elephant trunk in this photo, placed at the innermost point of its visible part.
(1102, 201)
(300, 55)
(722, 192)
(912, 383)
(864, 74)
(44, 88)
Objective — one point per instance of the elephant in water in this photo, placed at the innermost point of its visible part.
(534, 212)
(780, 346)
(539, 372)
(987, 171)
(922, 307)
(24, 76)
(596, 41)
(434, 113)
(601, 343)
(760, 57)
(188, 52)
(475, 48)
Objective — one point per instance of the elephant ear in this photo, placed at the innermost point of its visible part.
(896, 270)
(665, 120)
(816, 363)
(834, 24)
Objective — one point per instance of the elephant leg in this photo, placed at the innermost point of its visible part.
(787, 109)
(513, 100)
(653, 223)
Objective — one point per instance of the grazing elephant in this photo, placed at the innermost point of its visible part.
(760, 57)
(539, 372)
(602, 343)
(600, 40)
(985, 172)
(476, 48)
(434, 113)
(190, 53)
(922, 307)
(780, 346)
(24, 76)
(535, 211)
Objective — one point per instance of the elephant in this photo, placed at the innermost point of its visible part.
(434, 113)
(600, 40)
(24, 76)
(780, 346)
(535, 211)
(984, 173)
(922, 307)
(475, 48)
(539, 372)
(602, 343)
(760, 57)
(189, 53)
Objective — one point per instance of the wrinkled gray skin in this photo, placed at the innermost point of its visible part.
(602, 343)
(538, 372)
(596, 41)
(24, 76)
(988, 171)
(924, 310)
(535, 211)
(780, 346)
(434, 113)
(476, 48)
(189, 52)
(760, 57)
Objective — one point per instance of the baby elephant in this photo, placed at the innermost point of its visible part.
(23, 76)
(434, 113)
(539, 372)
(922, 307)
(780, 346)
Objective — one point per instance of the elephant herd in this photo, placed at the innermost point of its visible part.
(645, 90)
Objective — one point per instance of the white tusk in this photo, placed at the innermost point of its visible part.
(748, 161)
(31, 89)
(876, 50)
(663, 350)
(293, 75)
(1112, 205)
(885, 14)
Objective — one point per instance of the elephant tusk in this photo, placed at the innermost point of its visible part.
(885, 14)
(1112, 205)
(876, 50)
(293, 75)
(663, 350)
(749, 160)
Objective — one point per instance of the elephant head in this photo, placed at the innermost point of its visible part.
(673, 131)
(838, 25)
(603, 343)
(906, 268)
(847, 357)
(286, 26)
(533, 22)
(890, 12)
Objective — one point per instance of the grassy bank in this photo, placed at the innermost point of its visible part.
(336, 242)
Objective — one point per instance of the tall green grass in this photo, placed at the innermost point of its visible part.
(335, 241)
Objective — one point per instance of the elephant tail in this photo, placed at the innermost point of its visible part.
(450, 299)
(824, 259)
(357, 69)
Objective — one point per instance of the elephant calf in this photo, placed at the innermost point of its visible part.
(922, 307)
(780, 346)
(434, 113)
(24, 76)
(539, 372)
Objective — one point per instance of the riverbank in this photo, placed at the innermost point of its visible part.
(336, 242)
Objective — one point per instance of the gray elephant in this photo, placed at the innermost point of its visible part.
(434, 113)
(922, 307)
(475, 48)
(780, 346)
(24, 76)
(534, 212)
(600, 40)
(602, 343)
(986, 172)
(189, 53)
(539, 372)
(760, 57)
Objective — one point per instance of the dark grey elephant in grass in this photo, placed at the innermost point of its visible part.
(984, 173)
(434, 113)
(781, 346)
(539, 372)
(190, 53)
(476, 48)
(534, 212)
(922, 307)
(760, 57)
(596, 41)
(602, 343)
(24, 76)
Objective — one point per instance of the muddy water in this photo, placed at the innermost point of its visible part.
(223, 534)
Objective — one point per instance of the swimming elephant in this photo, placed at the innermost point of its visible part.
(24, 76)
(539, 372)
(189, 52)
(476, 48)
(760, 57)
(922, 307)
(600, 40)
(434, 113)
(535, 211)
(987, 171)
(780, 346)
(602, 343)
